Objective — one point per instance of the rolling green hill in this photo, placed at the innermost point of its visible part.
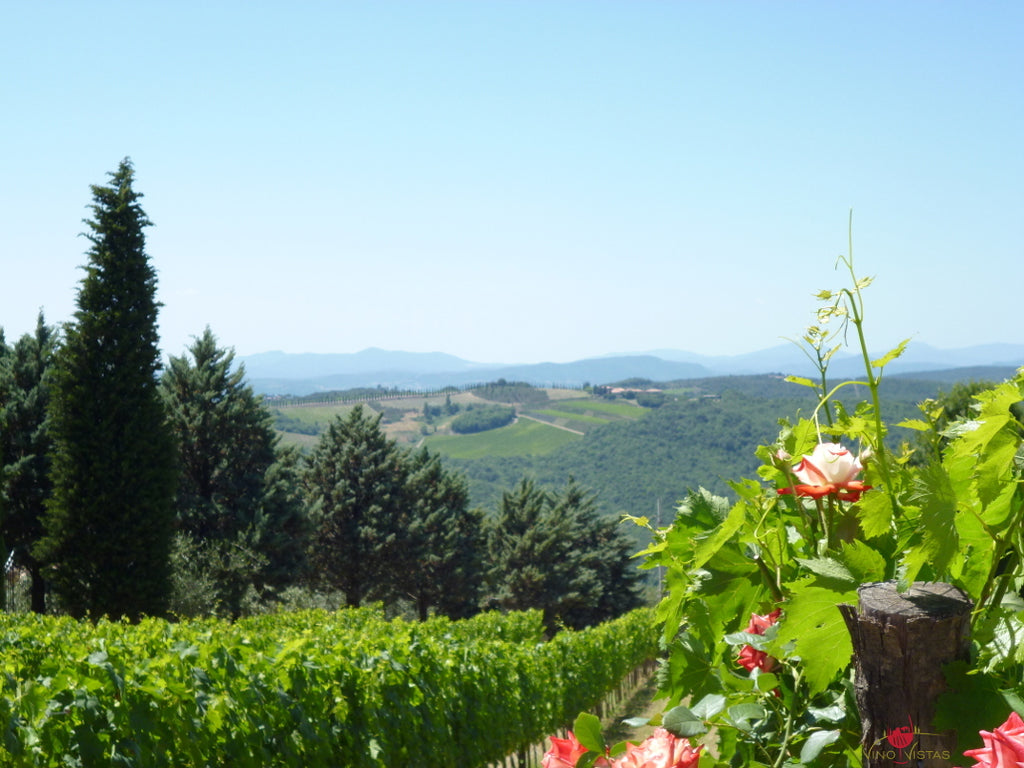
(636, 459)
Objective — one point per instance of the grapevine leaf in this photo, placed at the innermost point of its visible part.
(864, 563)
(972, 703)
(829, 570)
(890, 355)
(815, 630)
(939, 541)
(918, 424)
(801, 381)
(875, 514)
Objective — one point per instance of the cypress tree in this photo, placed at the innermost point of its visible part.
(109, 524)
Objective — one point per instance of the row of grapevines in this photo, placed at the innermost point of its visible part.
(307, 689)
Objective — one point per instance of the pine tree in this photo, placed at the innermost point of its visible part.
(109, 523)
(238, 491)
(356, 481)
(25, 449)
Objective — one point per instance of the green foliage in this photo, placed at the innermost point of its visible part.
(790, 544)
(355, 481)
(310, 689)
(109, 522)
(482, 418)
(25, 446)
(237, 492)
(445, 541)
(502, 391)
(553, 552)
(492, 456)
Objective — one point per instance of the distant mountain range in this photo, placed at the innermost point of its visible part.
(282, 373)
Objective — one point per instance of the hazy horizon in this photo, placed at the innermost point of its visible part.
(524, 181)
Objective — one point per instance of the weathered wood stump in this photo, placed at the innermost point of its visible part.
(901, 640)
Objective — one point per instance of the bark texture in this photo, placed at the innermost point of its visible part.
(901, 640)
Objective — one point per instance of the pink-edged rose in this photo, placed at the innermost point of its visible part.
(565, 752)
(750, 657)
(830, 469)
(1004, 747)
(660, 750)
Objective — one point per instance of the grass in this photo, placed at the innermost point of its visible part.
(570, 416)
(523, 438)
(618, 409)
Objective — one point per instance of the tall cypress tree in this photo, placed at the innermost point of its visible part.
(109, 523)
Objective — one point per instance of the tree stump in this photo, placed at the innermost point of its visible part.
(900, 643)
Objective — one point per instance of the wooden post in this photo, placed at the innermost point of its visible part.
(901, 640)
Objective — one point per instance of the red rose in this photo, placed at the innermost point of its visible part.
(750, 657)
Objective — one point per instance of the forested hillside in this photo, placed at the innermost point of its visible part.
(639, 445)
(705, 434)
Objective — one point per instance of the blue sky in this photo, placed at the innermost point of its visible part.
(523, 181)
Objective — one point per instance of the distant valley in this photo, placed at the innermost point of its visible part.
(300, 374)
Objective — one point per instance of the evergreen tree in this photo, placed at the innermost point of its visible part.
(554, 552)
(355, 480)
(446, 541)
(109, 524)
(238, 496)
(25, 450)
(526, 550)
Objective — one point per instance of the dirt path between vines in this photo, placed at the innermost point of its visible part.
(642, 704)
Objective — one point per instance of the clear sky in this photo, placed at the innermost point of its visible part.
(516, 181)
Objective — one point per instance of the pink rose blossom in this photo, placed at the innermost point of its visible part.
(830, 469)
(565, 752)
(661, 750)
(1004, 747)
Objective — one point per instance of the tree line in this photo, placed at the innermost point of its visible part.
(129, 488)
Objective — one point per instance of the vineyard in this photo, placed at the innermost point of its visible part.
(310, 688)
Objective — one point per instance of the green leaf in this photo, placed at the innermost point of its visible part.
(816, 742)
(709, 706)
(890, 355)
(766, 681)
(743, 715)
(587, 729)
(801, 381)
(814, 625)
(863, 561)
(707, 548)
(972, 704)
(682, 721)
(876, 512)
(830, 570)
(917, 424)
